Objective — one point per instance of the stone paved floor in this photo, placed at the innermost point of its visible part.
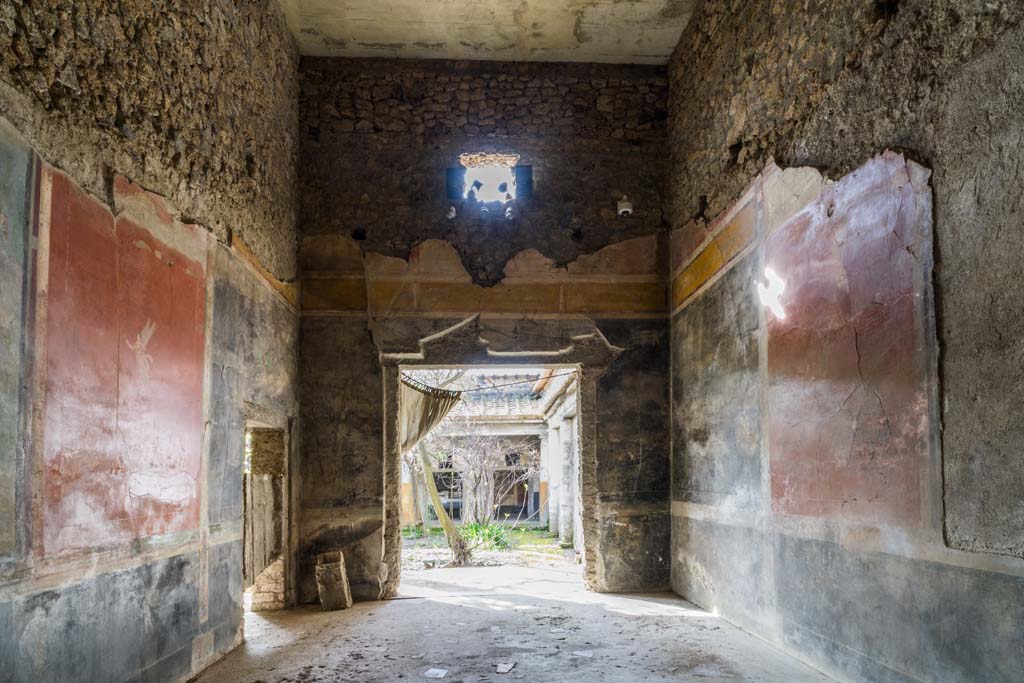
(469, 621)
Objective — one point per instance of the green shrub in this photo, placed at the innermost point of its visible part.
(486, 536)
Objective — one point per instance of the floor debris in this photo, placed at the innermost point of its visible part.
(435, 673)
(505, 667)
(629, 638)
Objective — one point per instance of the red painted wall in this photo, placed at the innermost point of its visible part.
(847, 366)
(122, 425)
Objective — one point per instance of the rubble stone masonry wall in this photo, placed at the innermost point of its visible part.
(196, 101)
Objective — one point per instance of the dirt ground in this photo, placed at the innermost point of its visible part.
(536, 622)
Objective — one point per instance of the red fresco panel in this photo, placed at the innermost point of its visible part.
(124, 366)
(847, 367)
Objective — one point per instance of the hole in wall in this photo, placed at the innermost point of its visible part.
(359, 234)
(489, 177)
(734, 153)
(702, 210)
(886, 9)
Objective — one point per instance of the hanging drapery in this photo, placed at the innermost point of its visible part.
(422, 408)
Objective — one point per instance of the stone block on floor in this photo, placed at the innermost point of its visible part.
(332, 581)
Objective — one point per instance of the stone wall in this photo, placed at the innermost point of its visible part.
(197, 103)
(136, 343)
(137, 319)
(384, 266)
(806, 441)
(828, 84)
(377, 137)
(356, 306)
(885, 556)
(342, 450)
(806, 455)
(633, 473)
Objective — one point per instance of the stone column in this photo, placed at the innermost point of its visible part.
(566, 489)
(543, 481)
(577, 517)
(554, 473)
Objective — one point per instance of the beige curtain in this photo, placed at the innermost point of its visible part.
(421, 408)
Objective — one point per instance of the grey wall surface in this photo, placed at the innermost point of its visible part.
(253, 374)
(980, 237)
(342, 451)
(633, 479)
(882, 617)
(133, 624)
(716, 412)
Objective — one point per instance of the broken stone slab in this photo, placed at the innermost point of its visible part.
(332, 581)
(435, 673)
(505, 667)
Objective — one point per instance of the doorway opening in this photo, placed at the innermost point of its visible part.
(265, 514)
(470, 345)
(501, 470)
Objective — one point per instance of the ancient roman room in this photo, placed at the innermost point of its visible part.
(596, 341)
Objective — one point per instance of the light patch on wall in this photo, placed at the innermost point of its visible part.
(771, 295)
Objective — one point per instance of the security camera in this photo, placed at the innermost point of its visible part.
(625, 207)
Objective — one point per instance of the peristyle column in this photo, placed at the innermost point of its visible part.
(567, 488)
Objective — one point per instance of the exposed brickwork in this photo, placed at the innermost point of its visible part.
(195, 101)
(378, 135)
(268, 588)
